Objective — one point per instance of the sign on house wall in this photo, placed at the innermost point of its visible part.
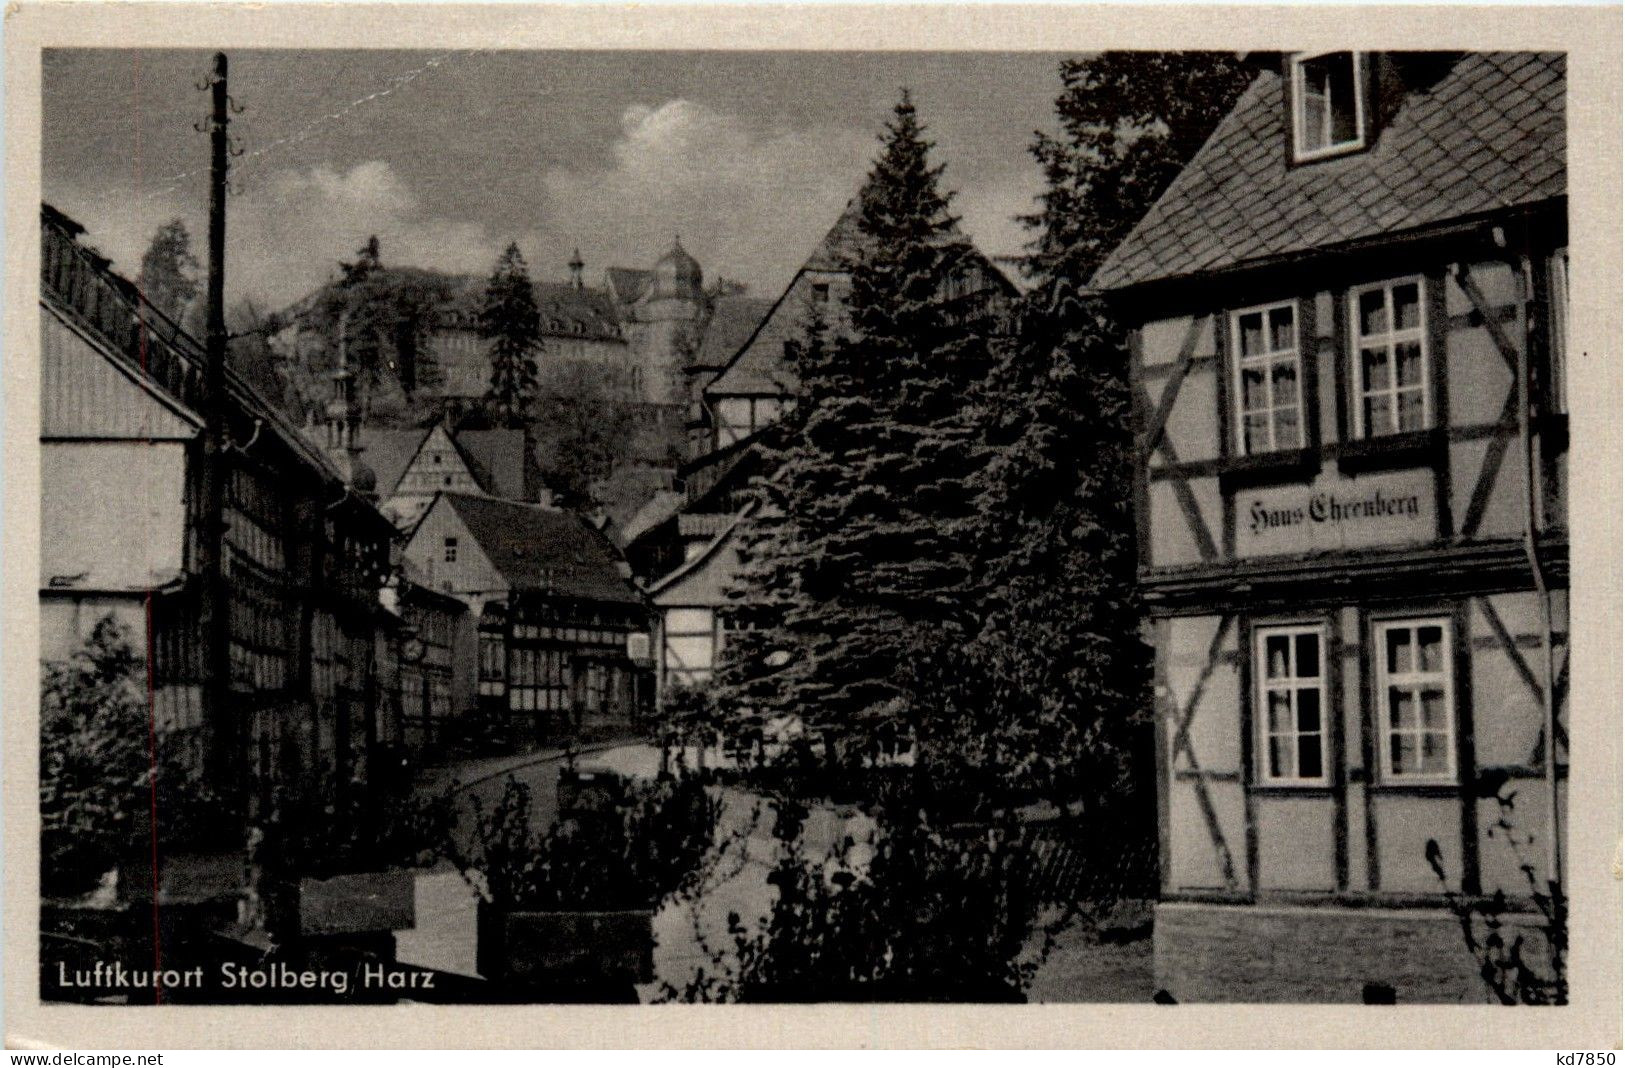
(1334, 513)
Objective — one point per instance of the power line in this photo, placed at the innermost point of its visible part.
(394, 84)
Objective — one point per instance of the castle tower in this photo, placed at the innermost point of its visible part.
(343, 420)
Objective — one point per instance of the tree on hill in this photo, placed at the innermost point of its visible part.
(511, 322)
(168, 277)
(590, 431)
(872, 494)
(1053, 695)
(387, 315)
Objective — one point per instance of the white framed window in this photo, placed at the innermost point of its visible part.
(451, 550)
(1269, 378)
(1289, 665)
(1416, 700)
(1328, 104)
(1390, 359)
(1558, 385)
(691, 643)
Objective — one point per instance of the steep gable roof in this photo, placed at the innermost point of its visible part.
(498, 460)
(732, 321)
(759, 367)
(536, 548)
(626, 284)
(389, 453)
(843, 241)
(1488, 134)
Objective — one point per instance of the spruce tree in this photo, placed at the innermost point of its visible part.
(860, 552)
(511, 322)
(1053, 694)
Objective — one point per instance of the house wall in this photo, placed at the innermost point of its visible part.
(113, 512)
(470, 577)
(690, 634)
(1342, 535)
(1469, 487)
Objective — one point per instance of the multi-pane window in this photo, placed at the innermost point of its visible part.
(1390, 359)
(691, 643)
(451, 550)
(1415, 694)
(538, 679)
(1328, 109)
(1291, 673)
(1558, 383)
(1269, 390)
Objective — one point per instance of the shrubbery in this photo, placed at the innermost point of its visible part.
(105, 772)
(635, 851)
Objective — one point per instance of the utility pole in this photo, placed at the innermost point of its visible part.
(220, 725)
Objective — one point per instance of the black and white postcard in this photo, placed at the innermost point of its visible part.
(996, 521)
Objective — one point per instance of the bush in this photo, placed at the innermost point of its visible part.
(104, 773)
(1512, 972)
(936, 913)
(638, 851)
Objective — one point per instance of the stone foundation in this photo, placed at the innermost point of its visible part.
(1315, 954)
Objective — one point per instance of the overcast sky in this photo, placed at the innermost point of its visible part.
(447, 156)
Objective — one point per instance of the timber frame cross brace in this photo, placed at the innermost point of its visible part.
(1182, 744)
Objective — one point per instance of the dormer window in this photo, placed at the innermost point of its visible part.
(1328, 104)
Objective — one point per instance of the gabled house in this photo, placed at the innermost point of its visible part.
(411, 466)
(305, 700)
(1349, 318)
(559, 617)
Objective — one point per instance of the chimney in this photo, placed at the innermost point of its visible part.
(576, 267)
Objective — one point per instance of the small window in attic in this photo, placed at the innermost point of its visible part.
(1328, 104)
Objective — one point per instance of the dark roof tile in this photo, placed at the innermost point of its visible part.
(1488, 132)
(536, 548)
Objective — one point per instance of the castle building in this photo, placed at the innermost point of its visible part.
(1349, 319)
(650, 335)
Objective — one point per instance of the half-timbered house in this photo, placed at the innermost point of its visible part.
(1348, 323)
(305, 550)
(559, 617)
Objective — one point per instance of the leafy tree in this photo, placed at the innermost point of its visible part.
(103, 775)
(168, 277)
(872, 492)
(511, 322)
(591, 429)
(1051, 695)
(1129, 122)
(386, 316)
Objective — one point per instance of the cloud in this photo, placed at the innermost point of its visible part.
(750, 201)
(287, 231)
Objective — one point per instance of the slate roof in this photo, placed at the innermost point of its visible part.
(626, 284)
(498, 459)
(389, 453)
(167, 360)
(759, 366)
(546, 549)
(730, 326)
(1488, 134)
(565, 310)
(843, 241)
